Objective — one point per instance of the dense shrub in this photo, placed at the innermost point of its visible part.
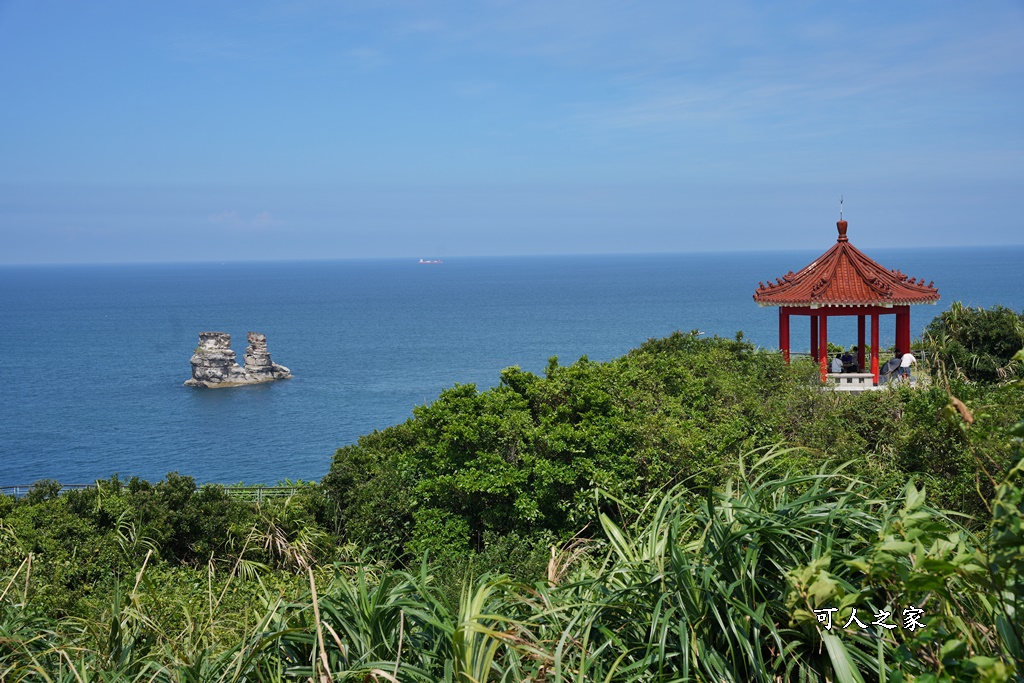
(976, 344)
(82, 542)
(526, 456)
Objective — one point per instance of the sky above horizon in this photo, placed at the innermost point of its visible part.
(135, 132)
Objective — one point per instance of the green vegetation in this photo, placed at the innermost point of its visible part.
(675, 514)
(525, 457)
(976, 344)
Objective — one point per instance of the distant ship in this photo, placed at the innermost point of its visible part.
(429, 261)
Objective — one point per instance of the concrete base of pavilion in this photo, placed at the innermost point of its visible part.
(859, 382)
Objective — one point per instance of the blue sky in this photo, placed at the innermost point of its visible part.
(286, 130)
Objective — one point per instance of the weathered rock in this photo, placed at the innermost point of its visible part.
(213, 363)
(257, 360)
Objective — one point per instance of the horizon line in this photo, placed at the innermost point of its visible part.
(16, 264)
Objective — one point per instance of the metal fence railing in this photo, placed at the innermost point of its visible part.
(256, 494)
(20, 490)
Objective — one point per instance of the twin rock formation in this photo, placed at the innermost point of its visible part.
(213, 363)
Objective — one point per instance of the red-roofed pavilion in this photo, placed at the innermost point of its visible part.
(844, 281)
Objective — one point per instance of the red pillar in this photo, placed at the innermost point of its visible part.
(898, 339)
(814, 335)
(784, 333)
(903, 329)
(874, 346)
(823, 346)
(899, 332)
(860, 342)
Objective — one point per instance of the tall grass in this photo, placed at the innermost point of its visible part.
(717, 585)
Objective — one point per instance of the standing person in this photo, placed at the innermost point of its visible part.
(906, 360)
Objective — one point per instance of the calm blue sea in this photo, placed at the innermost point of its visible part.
(94, 357)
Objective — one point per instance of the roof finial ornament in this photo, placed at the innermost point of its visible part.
(841, 224)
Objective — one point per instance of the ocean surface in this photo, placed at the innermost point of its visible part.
(93, 357)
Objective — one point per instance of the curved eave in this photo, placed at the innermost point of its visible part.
(844, 276)
(837, 304)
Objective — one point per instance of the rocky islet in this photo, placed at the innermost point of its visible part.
(214, 366)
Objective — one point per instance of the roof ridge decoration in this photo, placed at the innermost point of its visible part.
(845, 276)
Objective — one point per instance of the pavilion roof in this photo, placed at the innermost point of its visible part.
(845, 276)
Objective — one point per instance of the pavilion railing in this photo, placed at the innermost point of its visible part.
(920, 354)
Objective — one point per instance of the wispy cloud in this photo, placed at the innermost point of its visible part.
(199, 47)
(367, 58)
(474, 89)
(879, 77)
(420, 27)
(234, 220)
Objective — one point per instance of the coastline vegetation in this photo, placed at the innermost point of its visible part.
(679, 513)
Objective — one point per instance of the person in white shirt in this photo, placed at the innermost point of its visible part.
(837, 364)
(905, 362)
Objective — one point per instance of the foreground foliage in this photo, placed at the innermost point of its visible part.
(713, 587)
